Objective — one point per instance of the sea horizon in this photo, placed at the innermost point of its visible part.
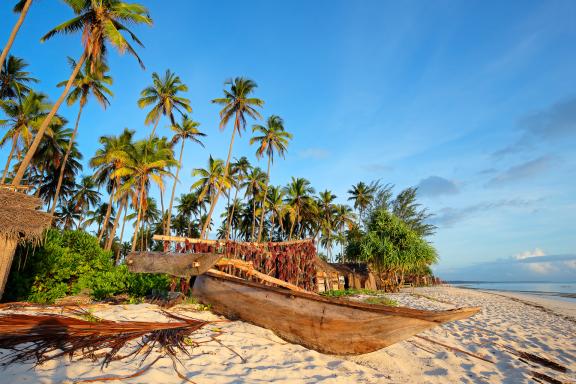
(555, 290)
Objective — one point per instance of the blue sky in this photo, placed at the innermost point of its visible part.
(475, 102)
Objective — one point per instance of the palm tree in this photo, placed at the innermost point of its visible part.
(92, 80)
(187, 207)
(277, 208)
(149, 161)
(113, 156)
(273, 138)
(23, 118)
(85, 196)
(13, 79)
(343, 218)
(48, 160)
(66, 215)
(21, 7)
(255, 183)
(163, 95)
(210, 182)
(236, 103)
(97, 216)
(238, 171)
(101, 22)
(362, 194)
(186, 130)
(326, 208)
(298, 198)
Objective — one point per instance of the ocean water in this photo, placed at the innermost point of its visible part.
(561, 291)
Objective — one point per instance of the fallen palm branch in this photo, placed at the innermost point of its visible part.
(522, 356)
(40, 338)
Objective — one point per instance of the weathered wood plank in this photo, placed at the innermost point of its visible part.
(175, 264)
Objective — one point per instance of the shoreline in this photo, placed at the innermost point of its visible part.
(564, 308)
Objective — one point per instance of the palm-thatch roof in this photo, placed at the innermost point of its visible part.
(19, 218)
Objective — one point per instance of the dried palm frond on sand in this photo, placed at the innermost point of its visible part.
(40, 338)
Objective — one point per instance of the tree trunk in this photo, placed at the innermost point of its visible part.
(264, 201)
(231, 215)
(32, 150)
(14, 142)
(63, 167)
(154, 129)
(203, 234)
(138, 217)
(12, 36)
(253, 215)
(167, 230)
(7, 249)
(115, 225)
(122, 234)
(162, 217)
(108, 212)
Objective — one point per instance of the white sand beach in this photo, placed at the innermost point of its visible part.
(249, 354)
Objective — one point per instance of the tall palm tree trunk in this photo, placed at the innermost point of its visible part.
(253, 216)
(203, 234)
(115, 225)
(9, 160)
(231, 216)
(63, 167)
(162, 218)
(108, 212)
(122, 233)
(154, 129)
(264, 201)
(12, 36)
(140, 198)
(32, 150)
(167, 229)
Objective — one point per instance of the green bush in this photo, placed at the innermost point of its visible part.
(71, 262)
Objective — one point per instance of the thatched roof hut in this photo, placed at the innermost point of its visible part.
(19, 222)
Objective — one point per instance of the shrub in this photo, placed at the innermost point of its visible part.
(71, 262)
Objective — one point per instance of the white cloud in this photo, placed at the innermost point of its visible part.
(530, 253)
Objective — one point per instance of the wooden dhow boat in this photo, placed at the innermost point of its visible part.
(327, 325)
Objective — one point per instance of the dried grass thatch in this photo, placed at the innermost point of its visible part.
(19, 219)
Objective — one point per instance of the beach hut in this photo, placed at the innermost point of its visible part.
(20, 221)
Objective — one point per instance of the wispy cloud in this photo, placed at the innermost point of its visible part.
(555, 123)
(314, 153)
(530, 253)
(522, 171)
(447, 217)
(435, 186)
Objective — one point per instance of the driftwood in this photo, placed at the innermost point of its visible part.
(175, 264)
(327, 325)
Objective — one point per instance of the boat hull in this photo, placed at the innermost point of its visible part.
(331, 326)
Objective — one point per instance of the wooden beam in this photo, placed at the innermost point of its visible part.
(248, 268)
(222, 242)
(175, 264)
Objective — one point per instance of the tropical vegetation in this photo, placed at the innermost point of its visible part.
(118, 192)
